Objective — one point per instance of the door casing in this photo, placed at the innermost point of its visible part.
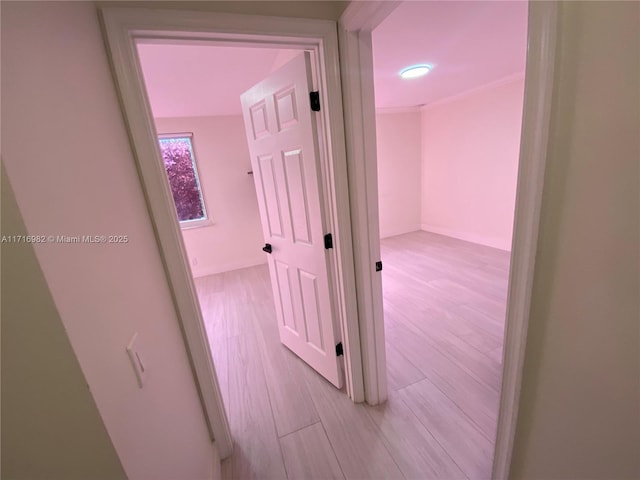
(364, 343)
(356, 24)
(123, 28)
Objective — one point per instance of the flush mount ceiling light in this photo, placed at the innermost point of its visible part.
(415, 71)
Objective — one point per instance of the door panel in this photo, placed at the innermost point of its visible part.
(269, 188)
(309, 287)
(286, 108)
(297, 196)
(281, 133)
(259, 125)
(288, 319)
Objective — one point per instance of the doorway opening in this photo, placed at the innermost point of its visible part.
(448, 145)
(241, 145)
(245, 173)
(402, 441)
(125, 29)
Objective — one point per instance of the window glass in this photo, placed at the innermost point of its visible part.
(180, 165)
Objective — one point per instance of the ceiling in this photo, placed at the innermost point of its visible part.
(202, 80)
(470, 45)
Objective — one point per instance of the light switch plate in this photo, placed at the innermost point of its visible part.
(137, 361)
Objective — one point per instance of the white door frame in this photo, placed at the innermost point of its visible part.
(356, 25)
(356, 66)
(123, 28)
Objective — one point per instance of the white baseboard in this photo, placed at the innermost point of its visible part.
(399, 231)
(495, 242)
(205, 270)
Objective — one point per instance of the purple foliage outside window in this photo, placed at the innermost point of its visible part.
(179, 162)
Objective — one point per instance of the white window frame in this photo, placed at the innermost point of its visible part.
(207, 220)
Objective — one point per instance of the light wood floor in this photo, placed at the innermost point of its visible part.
(444, 303)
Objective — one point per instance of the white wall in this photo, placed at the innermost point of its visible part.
(234, 239)
(470, 150)
(283, 57)
(68, 157)
(51, 427)
(399, 166)
(580, 403)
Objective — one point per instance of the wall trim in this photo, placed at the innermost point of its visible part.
(541, 56)
(356, 70)
(365, 16)
(474, 91)
(388, 110)
(400, 231)
(222, 268)
(494, 242)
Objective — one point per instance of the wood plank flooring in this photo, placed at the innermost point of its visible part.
(444, 303)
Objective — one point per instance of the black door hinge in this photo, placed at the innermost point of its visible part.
(378, 266)
(339, 350)
(314, 98)
(328, 241)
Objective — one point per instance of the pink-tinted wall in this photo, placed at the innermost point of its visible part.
(69, 160)
(579, 412)
(470, 150)
(234, 237)
(398, 144)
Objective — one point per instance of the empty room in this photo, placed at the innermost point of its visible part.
(154, 348)
(230, 228)
(449, 86)
(447, 154)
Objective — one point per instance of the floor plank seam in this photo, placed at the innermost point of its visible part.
(445, 450)
(384, 444)
(445, 353)
(271, 409)
(333, 450)
(298, 429)
(462, 410)
(412, 383)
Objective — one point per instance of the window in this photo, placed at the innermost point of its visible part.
(180, 165)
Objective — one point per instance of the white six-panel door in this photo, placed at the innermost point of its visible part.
(281, 133)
